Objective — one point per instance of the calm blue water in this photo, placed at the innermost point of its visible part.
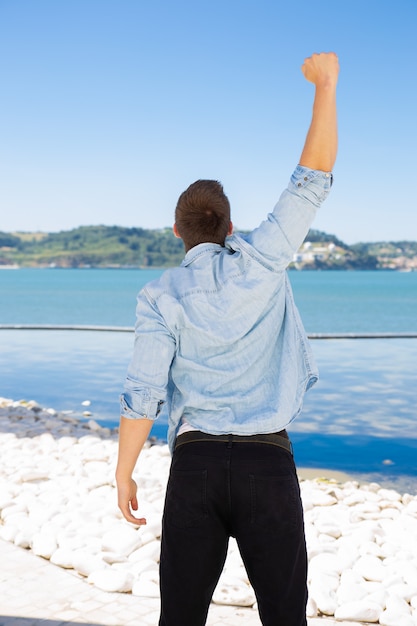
(328, 301)
(361, 417)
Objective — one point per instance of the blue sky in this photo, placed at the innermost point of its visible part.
(110, 108)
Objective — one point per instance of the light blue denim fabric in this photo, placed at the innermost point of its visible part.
(219, 338)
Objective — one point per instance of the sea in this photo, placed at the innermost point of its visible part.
(66, 336)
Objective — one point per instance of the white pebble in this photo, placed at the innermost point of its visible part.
(311, 610)
(359, 611)
(122, 540)
(63, 557)
(370, 567)
(145, 588)
(392, 618)
(150, 550)
(85, 563)
(44, 544)
(111, 580)
(325, 599)
(397, 605)
(233, 592)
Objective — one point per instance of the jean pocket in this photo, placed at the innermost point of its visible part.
(275, 503)
(186, 498)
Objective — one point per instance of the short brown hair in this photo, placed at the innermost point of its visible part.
(202, 214)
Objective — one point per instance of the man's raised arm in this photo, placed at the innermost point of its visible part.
(320, 147)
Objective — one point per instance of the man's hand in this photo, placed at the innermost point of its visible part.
(132, 436)
(321, 69)
(128, 502)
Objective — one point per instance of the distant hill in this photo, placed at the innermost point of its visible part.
(116, 246)
(93, 246)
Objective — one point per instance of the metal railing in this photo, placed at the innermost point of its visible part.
(129, 329)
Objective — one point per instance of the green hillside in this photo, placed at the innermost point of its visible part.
(116, 246)
(93, 246)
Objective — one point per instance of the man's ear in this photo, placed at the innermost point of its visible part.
(230, 231)
(175, 231)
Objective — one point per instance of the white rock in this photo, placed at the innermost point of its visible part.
(112, 557)
(311, 610)
(6, 498)
(403, 590)
(372, 548)
(145, 588)
(13, 509)
(325, 599)
(146, 536)
(325, 563)
(121, 540)
(391, 618)
(358, 611)
(389, 494)
(307, 505)
(388, 549)
(236, 571)
(389, 513)
(8, 533)
(411, 506)
(148, 551)
(63, 558)
(44, 545)
(397, 605)
(368, 510)
(153, 527)
(328, 528)
(233, 591)
(354, 498)
(370, 567)
(350, 577)
(350, 593)
(151, 574)
(39, 514)
(138, 567)
(96, 467)
(318, 498)
(85, 563)
(71, 539)
(379, 596)
(409, 573)
(13, 525)
(111, 580)
(24, 536)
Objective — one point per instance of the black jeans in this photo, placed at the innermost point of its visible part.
(245, 490)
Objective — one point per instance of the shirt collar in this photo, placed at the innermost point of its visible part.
(200, 250)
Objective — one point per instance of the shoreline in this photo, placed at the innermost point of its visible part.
(312, 473)
(30, 418)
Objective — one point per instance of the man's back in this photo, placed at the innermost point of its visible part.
(235, 352)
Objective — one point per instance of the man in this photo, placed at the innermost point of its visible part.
(220, 340)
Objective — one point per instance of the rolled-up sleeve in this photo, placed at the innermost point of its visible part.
(145, 388)
(286, 227)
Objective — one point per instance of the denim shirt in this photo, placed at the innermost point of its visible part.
(219, 338)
